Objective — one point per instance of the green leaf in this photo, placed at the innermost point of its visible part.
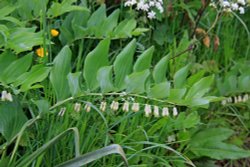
(79, 23)
(66, 29)
(96, 19)
(6, 11)
(144, 60)
(6, 58)
(159, 72)
(210, 135)
(177, 94)
(95, 155)
(109, 24)
(209, 143)
(195, 77)
(59, 73)
(58, 9)
(16, 69)
(4, 33)
(24, 39)
(74, 83)
(185, 121)
(200, 88)
(124, 28)
(37, 74)
(29, 10)
(123, 64)
(104, 77)
(94, 61)
(139, 31)
(42, 105)
(181, 76)
(135, 82)
(197, 102)
(243, 83)
(12, 118)
(160, 91)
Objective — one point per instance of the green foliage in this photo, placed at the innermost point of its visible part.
(107, 54)
(74, 83)
(210, 143)
(12, 119)
(59, 72)
(160, 91)
(144, 60)
(123, 64)
(135, 82)
(94, 61)
(58, 9)
(15, 69)
(104, 77)
(160, 69)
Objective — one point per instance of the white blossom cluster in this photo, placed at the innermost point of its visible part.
(135, 107)
(126, 107)
(230, 5)
(235, 99)
(148, 6)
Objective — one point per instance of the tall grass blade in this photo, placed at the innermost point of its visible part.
(92, 156)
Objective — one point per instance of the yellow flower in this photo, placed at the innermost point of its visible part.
(54, 32)
(40, 52)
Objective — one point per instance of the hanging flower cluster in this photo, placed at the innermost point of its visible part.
(126, 106)
(148, 6)
(230, 5)
(235, 99)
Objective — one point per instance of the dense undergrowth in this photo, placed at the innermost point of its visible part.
(124, 83)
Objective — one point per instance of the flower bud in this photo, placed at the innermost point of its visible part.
(87, 107)
(165, 112)
(62, 111)
(125, 106)
(175, 112)
(77, 107)
(135, 107)
(156, 111)
(103, 106)
(147, 110)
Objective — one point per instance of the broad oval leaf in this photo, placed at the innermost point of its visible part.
(96, 19)
(104, 77)
(180, 77)
(159, 72)
(24, 39)
(135, 82)
(123, 64)
(59, 72)
(58, 9)
(37, 74)
(12, 118)
(109, 24)
(209, 143)
(16, 68)
(160, 91)
(124, 28)
(74, 83)
(94, 61)
(200, 88)
(144, 60)
(6, 58)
